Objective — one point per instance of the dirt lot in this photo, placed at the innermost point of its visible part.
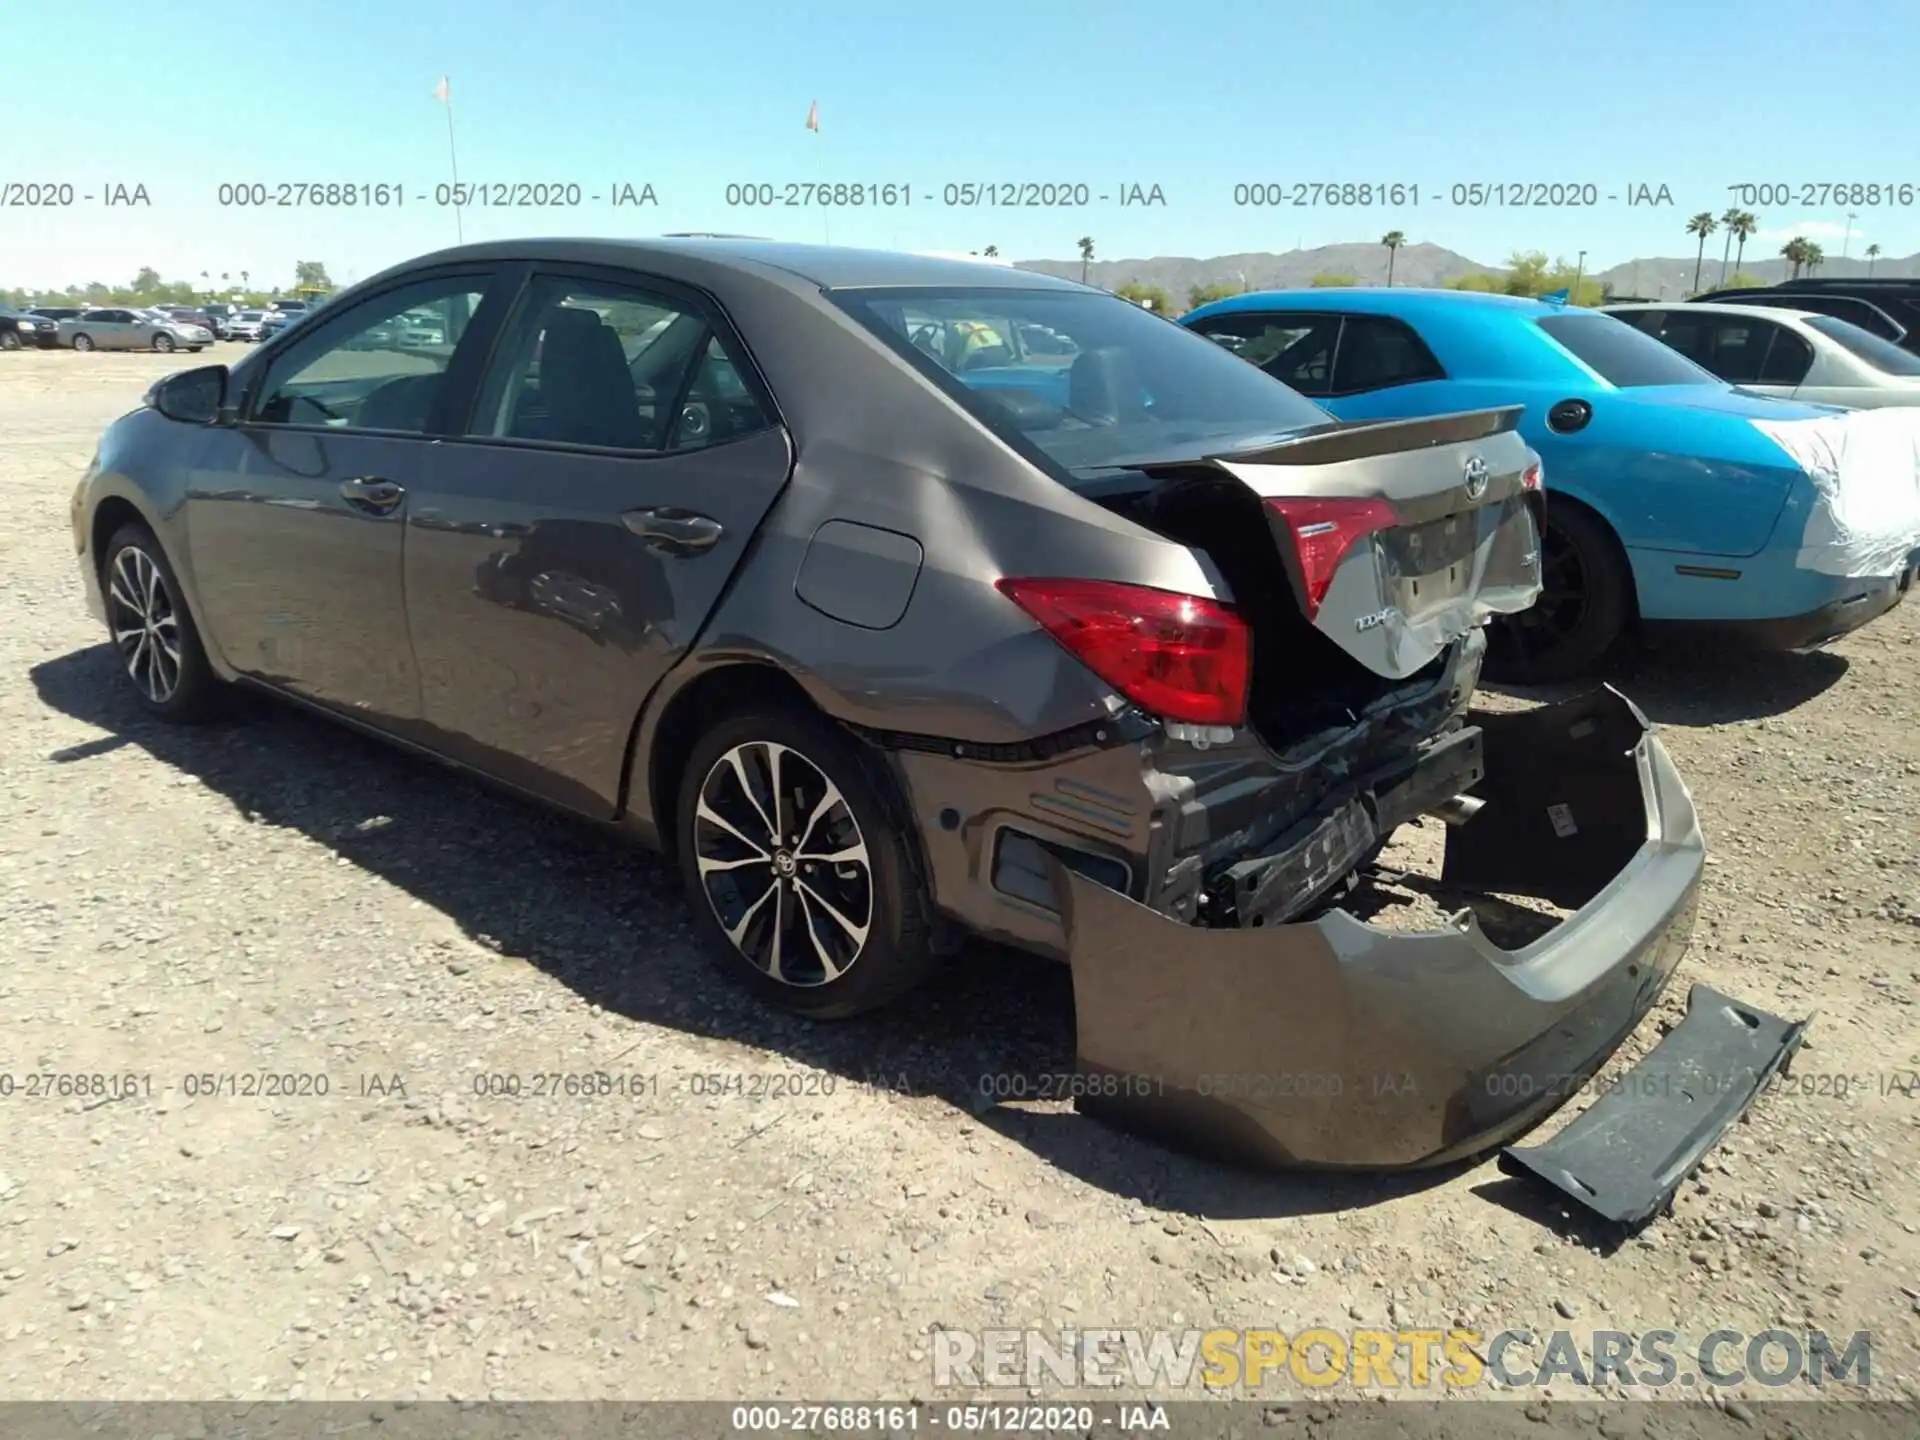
(275, 896)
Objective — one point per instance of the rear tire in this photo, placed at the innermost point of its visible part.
(154, 638)
(826, 938)
(1586, 602)
(83, 342)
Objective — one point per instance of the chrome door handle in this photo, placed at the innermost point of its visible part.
(674, 531)
(372, 494)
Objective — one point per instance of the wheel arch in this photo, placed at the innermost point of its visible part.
(663, 739)
(111, 514)
(1561, 499)
(661, 744)
(118, 507)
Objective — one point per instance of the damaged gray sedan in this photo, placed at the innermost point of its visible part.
(899, 599)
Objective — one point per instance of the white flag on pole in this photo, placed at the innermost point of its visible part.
(442, 92)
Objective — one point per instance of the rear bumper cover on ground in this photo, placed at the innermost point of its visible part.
(1334, 1043)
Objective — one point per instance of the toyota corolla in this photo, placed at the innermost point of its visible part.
(891, 626)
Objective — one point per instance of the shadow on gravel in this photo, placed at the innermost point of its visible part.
(1674, 687)
(609, 921)
(1529, 1200)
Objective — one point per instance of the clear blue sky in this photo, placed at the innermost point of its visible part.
(1693, 94)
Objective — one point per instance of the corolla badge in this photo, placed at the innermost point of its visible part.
(1476, 477)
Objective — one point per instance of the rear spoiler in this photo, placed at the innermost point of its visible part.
(1339, 443)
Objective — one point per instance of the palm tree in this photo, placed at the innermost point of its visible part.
(1393, 240)
(991, 251)
(1086, 256)
(1795, 253)
(1702, 225)
(245, 275)
(1726, 246)
(1815, 257)
(1743, 225)
(1873, 253)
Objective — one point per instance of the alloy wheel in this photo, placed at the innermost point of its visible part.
(145, 623)
(82, 342)
(163, 343)
(783, 863)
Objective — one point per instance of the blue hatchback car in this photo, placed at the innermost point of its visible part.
(1675, 498)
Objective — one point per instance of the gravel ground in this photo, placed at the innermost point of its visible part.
(279, 897)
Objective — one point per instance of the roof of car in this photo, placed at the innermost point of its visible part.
(1386, 300)
(1864, 282)
(1712, 307)
(832, 267)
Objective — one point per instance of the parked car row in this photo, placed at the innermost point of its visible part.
(161, 327)
(1680, 503)
(900, 598)
(1887, 308)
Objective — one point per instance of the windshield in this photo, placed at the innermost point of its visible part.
(1882, 355)
(1090, 380)
(1622, 354)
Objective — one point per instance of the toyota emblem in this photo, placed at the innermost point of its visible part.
(1476, 477)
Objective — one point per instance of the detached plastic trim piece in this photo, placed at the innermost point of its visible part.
(1627, 1153)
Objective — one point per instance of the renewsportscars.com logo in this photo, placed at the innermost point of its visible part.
(1163, 1361)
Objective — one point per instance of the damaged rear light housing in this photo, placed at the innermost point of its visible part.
(1324, 530)
(1530, 477)
(1185, 658)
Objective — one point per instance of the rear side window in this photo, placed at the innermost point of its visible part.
(1377, 352)
(1880, 354)
(1620, 354)
(1788, 359)
(1295, 349)
(614, 366)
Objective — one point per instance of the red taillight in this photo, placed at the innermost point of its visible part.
(1324, 530)
(1530, 477)
(1182, 657)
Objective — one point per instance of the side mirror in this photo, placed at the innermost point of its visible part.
(193, 397)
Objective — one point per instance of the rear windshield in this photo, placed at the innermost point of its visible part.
(1622, 354)
(1090, 380)
(1881, 354)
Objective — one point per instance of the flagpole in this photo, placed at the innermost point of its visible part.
(453, 157)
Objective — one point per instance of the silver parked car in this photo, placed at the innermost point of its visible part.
(245, 324)
(1795, 354)
(118, 329)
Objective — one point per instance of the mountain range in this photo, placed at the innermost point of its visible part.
(1651, 278)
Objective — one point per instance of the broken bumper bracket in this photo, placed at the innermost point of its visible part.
(1626, 1155)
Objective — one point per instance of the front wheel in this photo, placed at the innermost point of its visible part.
(152, 630)
(796, 868)
(83, 342)
(163, 343)
(1586, 601)
(9, 340)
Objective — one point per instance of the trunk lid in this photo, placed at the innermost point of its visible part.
(1395, 538)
